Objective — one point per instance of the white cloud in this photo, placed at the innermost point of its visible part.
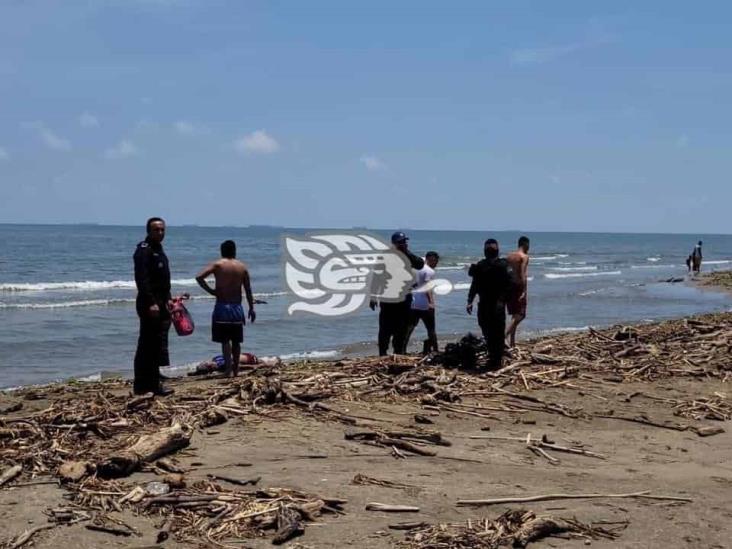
(373, 164)
(54, 141)
(4, 155)
(123, 149)
(594, 35)
(184, 127)
(88, 120)
(258, 142)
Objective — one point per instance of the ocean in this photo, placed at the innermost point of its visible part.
(67, 292)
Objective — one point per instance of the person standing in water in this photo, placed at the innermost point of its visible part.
(227, 323)
(152, 278)
(696, 258)
(518, 268)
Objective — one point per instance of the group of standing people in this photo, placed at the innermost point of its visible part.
(499, 283)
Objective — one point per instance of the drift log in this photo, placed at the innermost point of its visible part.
(148, 448)
(538, 528)
(10, 474)
(289, 525)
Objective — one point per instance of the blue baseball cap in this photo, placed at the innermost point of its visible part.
(398, 237)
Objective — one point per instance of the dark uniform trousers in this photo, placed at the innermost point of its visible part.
(152, 350)
(492, 322)
(393, 326)
(152, 277)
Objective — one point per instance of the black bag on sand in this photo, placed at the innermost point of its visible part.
(465, 354)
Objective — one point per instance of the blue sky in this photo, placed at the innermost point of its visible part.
(528, 116)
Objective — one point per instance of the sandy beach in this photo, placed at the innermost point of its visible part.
(640, 413)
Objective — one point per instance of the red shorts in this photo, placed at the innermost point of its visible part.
(516, 305)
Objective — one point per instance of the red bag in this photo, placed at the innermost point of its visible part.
(182, 319)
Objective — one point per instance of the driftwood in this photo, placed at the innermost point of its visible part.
(289, 525)
(387, 508)
(709, 431)
(97, 422)
(10, 474)
(547, 497)
(238, 482)
(108, 530)
(645, 421)
(538, 528)
(25, 537)
(514, 528)
(147, 449)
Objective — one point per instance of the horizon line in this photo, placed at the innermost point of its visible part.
(357, 228)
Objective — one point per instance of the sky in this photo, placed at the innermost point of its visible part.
(529, 116)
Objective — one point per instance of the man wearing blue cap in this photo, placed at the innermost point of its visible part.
(394, 316)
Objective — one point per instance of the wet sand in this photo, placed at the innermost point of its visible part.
(657, 380)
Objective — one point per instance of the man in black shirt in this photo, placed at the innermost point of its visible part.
(394, 316)
(491, 282)
(152, 277)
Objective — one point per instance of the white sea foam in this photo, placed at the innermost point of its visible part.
(87, 285)
(567, 329)
(456, 267)
(717, 262)
(656, 266)
(581, 275)
(66, 304)
(104, 302)
(653, 259)
(310, 355)
(578, 268)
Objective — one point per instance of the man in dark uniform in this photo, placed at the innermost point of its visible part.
(491, 282)
(394, 316)
(152, 277)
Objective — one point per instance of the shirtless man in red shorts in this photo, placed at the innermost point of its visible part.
(518, 264)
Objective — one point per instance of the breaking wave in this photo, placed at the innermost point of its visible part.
(572, 269)
(88, 285)
(581, 275)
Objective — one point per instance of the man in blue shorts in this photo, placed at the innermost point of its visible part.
(227, 323)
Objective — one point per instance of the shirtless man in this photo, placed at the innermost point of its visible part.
(518, 265)
(227, 324)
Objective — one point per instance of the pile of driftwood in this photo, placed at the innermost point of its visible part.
(97, 432)
(516, 528)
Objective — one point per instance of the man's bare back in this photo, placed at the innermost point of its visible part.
(518, 261)
(231, 275)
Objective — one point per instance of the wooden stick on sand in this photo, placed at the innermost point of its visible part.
(546, 497)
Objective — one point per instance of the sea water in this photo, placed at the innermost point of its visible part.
(67, 292)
